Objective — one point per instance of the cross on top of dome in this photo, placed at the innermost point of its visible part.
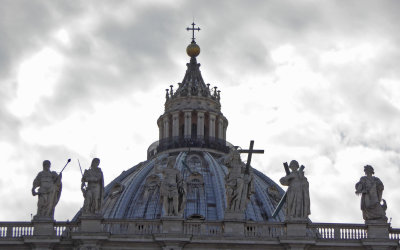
(193, 29)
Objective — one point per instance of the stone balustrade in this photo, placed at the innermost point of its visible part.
(250, 229)
(15, 229)
(165, 229)
(339, 231)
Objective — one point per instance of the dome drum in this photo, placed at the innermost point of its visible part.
(191, 128)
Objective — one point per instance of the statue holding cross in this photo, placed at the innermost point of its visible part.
(297, 196)
(239, 181)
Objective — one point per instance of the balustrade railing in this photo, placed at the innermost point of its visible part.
(203, 228)
(339, 231)
(192, 142)
(132, 227)
(328, 231)
(15, 229)
(394, 233)
(65, 229)
(269, 230)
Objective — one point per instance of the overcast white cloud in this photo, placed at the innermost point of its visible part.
(316, 81)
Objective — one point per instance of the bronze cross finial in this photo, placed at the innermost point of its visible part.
(193, 29)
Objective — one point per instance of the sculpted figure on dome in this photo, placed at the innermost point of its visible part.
(49, 191)
(371, 188)
(173, 190)
(274, 194)
(152, 184)
(238, 183)
(298, 197)
(92, 186)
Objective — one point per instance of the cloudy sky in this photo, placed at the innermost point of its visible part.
(316, 81)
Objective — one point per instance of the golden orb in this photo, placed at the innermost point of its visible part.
(193, 50)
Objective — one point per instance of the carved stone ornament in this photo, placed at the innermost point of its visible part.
(49, 191)
(371, 188)
(173, 190)
(93, 189)
(298, 197)
(238, 184)
(274, 194)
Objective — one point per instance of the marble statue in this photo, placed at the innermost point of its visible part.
(93, 189)
(49, 191)
(173, 190)
(238, 184)
(371, 188)
(298, 197)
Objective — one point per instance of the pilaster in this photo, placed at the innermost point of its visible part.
(212, 118)
(200, 124)
(220, 128)
(175, 124)
(166, 127)
(188, 124)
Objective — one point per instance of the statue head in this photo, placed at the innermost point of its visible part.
(368, 169)
(95, 163)
(294, 165)
(46, 165)
(236, 156)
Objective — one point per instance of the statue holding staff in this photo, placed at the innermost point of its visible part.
(47, 186)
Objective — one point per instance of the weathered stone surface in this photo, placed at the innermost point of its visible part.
(239, 184)
(92, 186)
(371, 188)
(173, 190)
(49, 191)
(298, 197)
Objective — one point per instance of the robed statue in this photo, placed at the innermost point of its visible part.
(49, 191)
(371, 188)
(238, 184)
(93, 189)
(173, 190)
(297, 194)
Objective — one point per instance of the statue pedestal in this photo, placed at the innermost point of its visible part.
(234, 223)
(43, 226)
(296, 228)
(172, 224)
(233, 228)
(91, 223)
(378, 229)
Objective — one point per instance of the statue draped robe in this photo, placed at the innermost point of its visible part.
(371, 189)
(49, 192)
(298, 198)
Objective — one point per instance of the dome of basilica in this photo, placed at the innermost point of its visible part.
(192, 131)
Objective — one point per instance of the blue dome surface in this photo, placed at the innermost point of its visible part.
(135, 193)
